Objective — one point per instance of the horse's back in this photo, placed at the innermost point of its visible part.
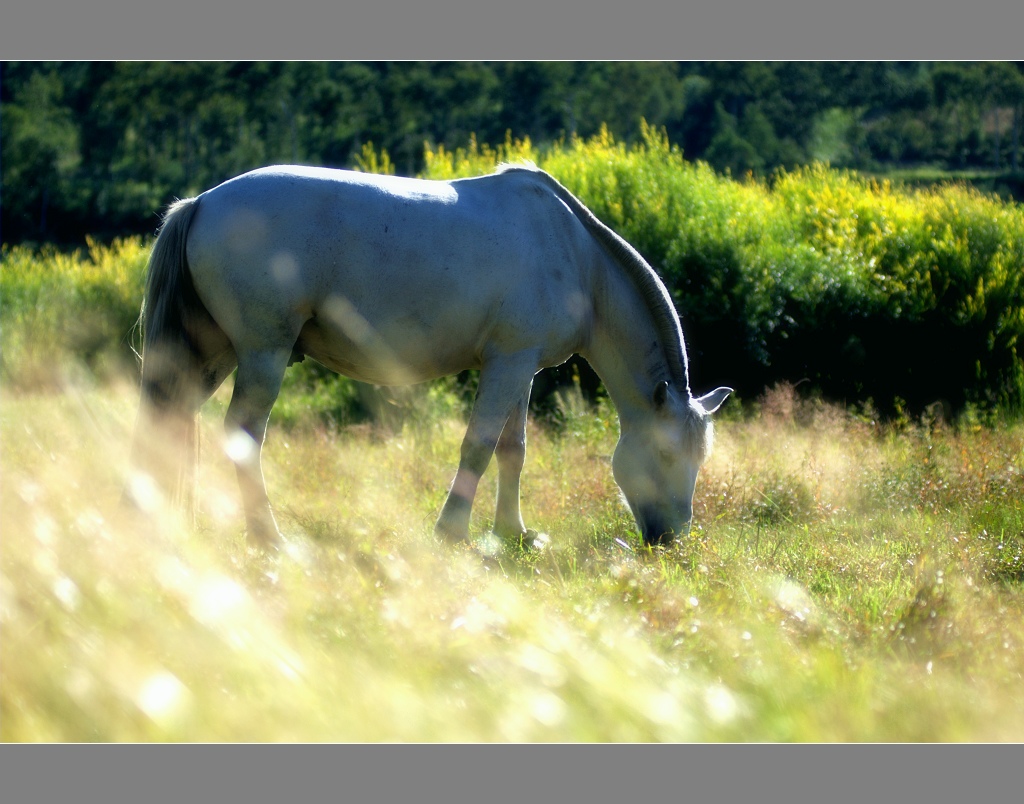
(437, 271)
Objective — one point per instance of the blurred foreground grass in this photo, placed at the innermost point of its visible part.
(844, 582)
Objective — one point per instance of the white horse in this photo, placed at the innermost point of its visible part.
(392, 281)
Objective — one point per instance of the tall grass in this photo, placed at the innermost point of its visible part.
(845, 582)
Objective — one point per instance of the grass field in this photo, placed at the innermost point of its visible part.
(845, 581)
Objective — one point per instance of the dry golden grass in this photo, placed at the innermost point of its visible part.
(845, 582)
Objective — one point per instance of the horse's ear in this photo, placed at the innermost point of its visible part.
(660, 395)
(713, 401)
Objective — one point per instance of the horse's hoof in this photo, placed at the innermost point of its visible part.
(265, 538)
(269, 547)
(530, 539)
(450, 537)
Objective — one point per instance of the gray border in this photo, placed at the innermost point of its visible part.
(496, 774)
(561, 29)
(539, 29)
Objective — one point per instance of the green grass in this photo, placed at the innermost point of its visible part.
(844, 582)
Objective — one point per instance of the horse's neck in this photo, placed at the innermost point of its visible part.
(625, 348)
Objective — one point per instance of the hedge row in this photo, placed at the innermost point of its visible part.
(863, 288)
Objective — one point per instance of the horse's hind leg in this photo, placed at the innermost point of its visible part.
(511, 455)
(175, 383)
(257, 385)
(216, 362)
(504, 382)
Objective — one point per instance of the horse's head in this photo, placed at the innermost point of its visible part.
(657, 459)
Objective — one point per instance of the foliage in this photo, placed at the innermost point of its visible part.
(866, 288)
(58, 308)
(475, 159)
(99, 148)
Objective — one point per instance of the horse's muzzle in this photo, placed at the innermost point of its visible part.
(656, 531)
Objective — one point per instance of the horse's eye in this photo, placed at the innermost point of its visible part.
(666, 455)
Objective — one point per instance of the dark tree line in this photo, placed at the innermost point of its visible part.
(100, 147)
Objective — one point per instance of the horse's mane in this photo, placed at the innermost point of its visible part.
(652, 289)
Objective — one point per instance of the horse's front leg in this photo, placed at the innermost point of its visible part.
(257, 385)
(504, 382)
(511, 454)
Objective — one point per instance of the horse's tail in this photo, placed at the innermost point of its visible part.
(166, 448)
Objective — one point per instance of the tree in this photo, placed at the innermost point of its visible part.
(40, 156)
(1004, 87)
(101, 148)
(728, 150)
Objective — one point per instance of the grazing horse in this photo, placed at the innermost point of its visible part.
(392, 281)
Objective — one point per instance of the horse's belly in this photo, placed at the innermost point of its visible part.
(400, 353)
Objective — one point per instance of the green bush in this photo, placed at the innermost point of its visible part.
(867, 289)
(57, 306)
